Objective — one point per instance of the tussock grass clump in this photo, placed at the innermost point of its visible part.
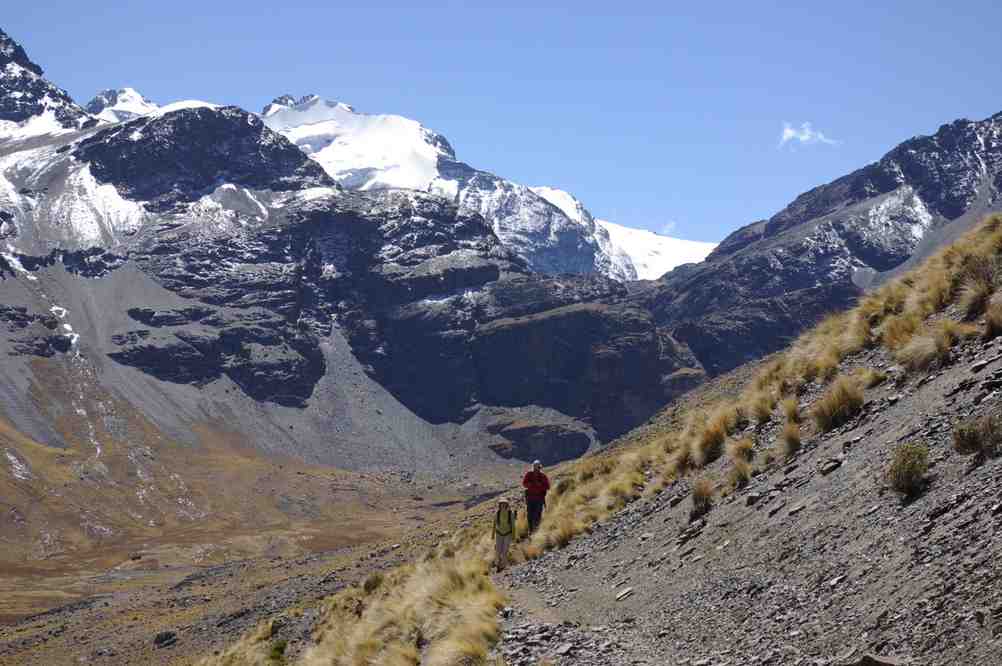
(922, 352)
(898, 330)
(791, 409)
(710, 440)
(868, 377)
(993, 321)
(702, 497)
(761, 404)
(977, 287)
(741, 449)
(979, 436)
(739, 474)
(909, 464)
(841, 402)
(790, 440)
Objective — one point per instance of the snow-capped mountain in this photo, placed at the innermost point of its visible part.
(547, 227)
(653, 254)
(361, 151)
(115, 106)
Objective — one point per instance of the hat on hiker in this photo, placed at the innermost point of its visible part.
(503, 500)
(537, 462)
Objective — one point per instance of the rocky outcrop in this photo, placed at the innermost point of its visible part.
(583, 359)
(180, 156)
(26, 94)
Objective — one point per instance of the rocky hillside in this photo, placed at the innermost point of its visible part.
(755, 290)
(837, 504)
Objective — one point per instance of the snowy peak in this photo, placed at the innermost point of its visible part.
(358, 150)
(115, 106)
(567, 203)
(652, 254)
(12, 52)
(29, 104)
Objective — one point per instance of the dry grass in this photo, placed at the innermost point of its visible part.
(791, 409)
(761, 404)
(909, 464)
(993, 321)
(868, 377)
(739, 474)
(842, 401)
(702, 497)
(790, 440)
(973, 296)
(922, 352)
(741, 449)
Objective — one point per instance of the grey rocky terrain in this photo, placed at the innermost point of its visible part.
(816, 561)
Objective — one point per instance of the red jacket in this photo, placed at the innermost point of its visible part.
(536, 484)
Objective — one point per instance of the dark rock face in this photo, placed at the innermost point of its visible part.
(182, 155)
(24, 93)
(31, 334)
(583, 359)
(545, 441)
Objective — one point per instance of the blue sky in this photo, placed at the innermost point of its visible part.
(654, 115)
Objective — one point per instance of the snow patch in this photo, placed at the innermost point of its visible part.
(16, 264)
(563, 200)
(42, 124)
(17, 467)
(183, 104)
(652, 254)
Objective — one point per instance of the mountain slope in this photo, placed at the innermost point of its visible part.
(714, 535)
(760, 286)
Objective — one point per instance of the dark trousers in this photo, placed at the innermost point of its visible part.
(535, 513)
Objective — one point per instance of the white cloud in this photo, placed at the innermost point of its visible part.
(669, 228)
(804, 135)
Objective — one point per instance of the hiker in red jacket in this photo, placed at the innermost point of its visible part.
(536, 485)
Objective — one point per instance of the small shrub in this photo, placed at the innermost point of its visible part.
(277, 651)
(908, 467)
(841, 402)
(979, 436)
(741, 449)
(372, 582)
(791, 409)
(702, 497)
(790, 440)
